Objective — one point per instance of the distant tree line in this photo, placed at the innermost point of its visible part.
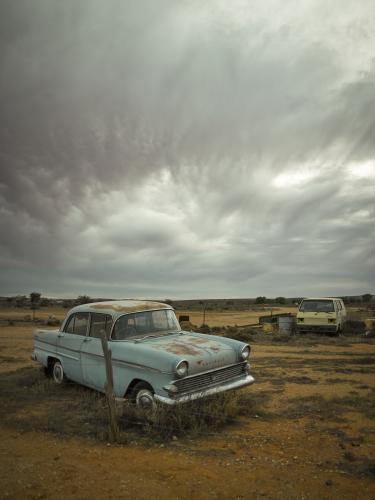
(35, 300)
(277, 300)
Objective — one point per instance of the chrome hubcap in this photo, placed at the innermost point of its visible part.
(58, 373)
(145, 399)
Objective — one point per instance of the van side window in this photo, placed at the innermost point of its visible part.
(100, 322)
(77, 324)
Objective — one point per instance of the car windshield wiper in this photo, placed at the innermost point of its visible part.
(161, 334)
(146, 337)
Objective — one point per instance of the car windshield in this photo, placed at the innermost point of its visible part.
(324, 306)
(145, 323)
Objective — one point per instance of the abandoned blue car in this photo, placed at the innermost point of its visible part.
(153, 359)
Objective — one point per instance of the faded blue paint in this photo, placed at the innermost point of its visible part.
(152, 360)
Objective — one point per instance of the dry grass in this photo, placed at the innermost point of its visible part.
(19, 314)
(232, 318)
(306, 425)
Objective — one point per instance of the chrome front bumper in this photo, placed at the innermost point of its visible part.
(236, 384)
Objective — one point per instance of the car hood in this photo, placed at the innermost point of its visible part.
(202, 352)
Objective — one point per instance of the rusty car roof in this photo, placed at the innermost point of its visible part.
(119, 307)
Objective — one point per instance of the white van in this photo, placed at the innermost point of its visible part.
(324, 314)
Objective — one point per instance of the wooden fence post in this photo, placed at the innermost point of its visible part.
(113, 428)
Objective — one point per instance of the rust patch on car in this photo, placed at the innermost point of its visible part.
(131, 307)
(200, 340)
(191, 346)
(181, 348)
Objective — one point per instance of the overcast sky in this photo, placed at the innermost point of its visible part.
(187, 149)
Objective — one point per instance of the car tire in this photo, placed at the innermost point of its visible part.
(143, 396)
(58, 373)
(49, 368)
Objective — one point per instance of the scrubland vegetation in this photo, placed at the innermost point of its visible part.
(304, 429)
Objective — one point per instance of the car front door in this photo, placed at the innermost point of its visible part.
(92, 358)
(69, 343)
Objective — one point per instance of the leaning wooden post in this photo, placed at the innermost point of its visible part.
(109, 388)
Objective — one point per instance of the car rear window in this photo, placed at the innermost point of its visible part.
(324, 306)
(77, 324)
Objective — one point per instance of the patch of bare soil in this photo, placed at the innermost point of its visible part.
(305, 429)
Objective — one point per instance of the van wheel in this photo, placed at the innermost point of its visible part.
(143, 396)
(58, 374)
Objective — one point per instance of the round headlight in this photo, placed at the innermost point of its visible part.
(182, 368)
(245, 353)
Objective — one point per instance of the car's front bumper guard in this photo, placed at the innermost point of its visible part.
(184, 398)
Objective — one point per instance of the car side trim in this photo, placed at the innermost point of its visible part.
(114, 360)
(61, 353)
(136, 365)
(65, 355)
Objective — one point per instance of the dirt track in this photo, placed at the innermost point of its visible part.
(309, 434)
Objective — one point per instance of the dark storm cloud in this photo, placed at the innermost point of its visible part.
(141, 147)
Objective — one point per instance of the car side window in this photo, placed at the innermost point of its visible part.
(100, 322)
(77, 324)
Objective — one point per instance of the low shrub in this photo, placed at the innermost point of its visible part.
(217, 329)
(53, 322)
(203, 329)
(370, 333)
(281, 338)
(188, 419)
(354, 327)
(241, 334)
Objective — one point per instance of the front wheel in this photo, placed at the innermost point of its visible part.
(143, 396)
(58, 374)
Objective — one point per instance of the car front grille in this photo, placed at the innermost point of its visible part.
(209, 379)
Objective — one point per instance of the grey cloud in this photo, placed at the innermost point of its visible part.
(102, 98)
